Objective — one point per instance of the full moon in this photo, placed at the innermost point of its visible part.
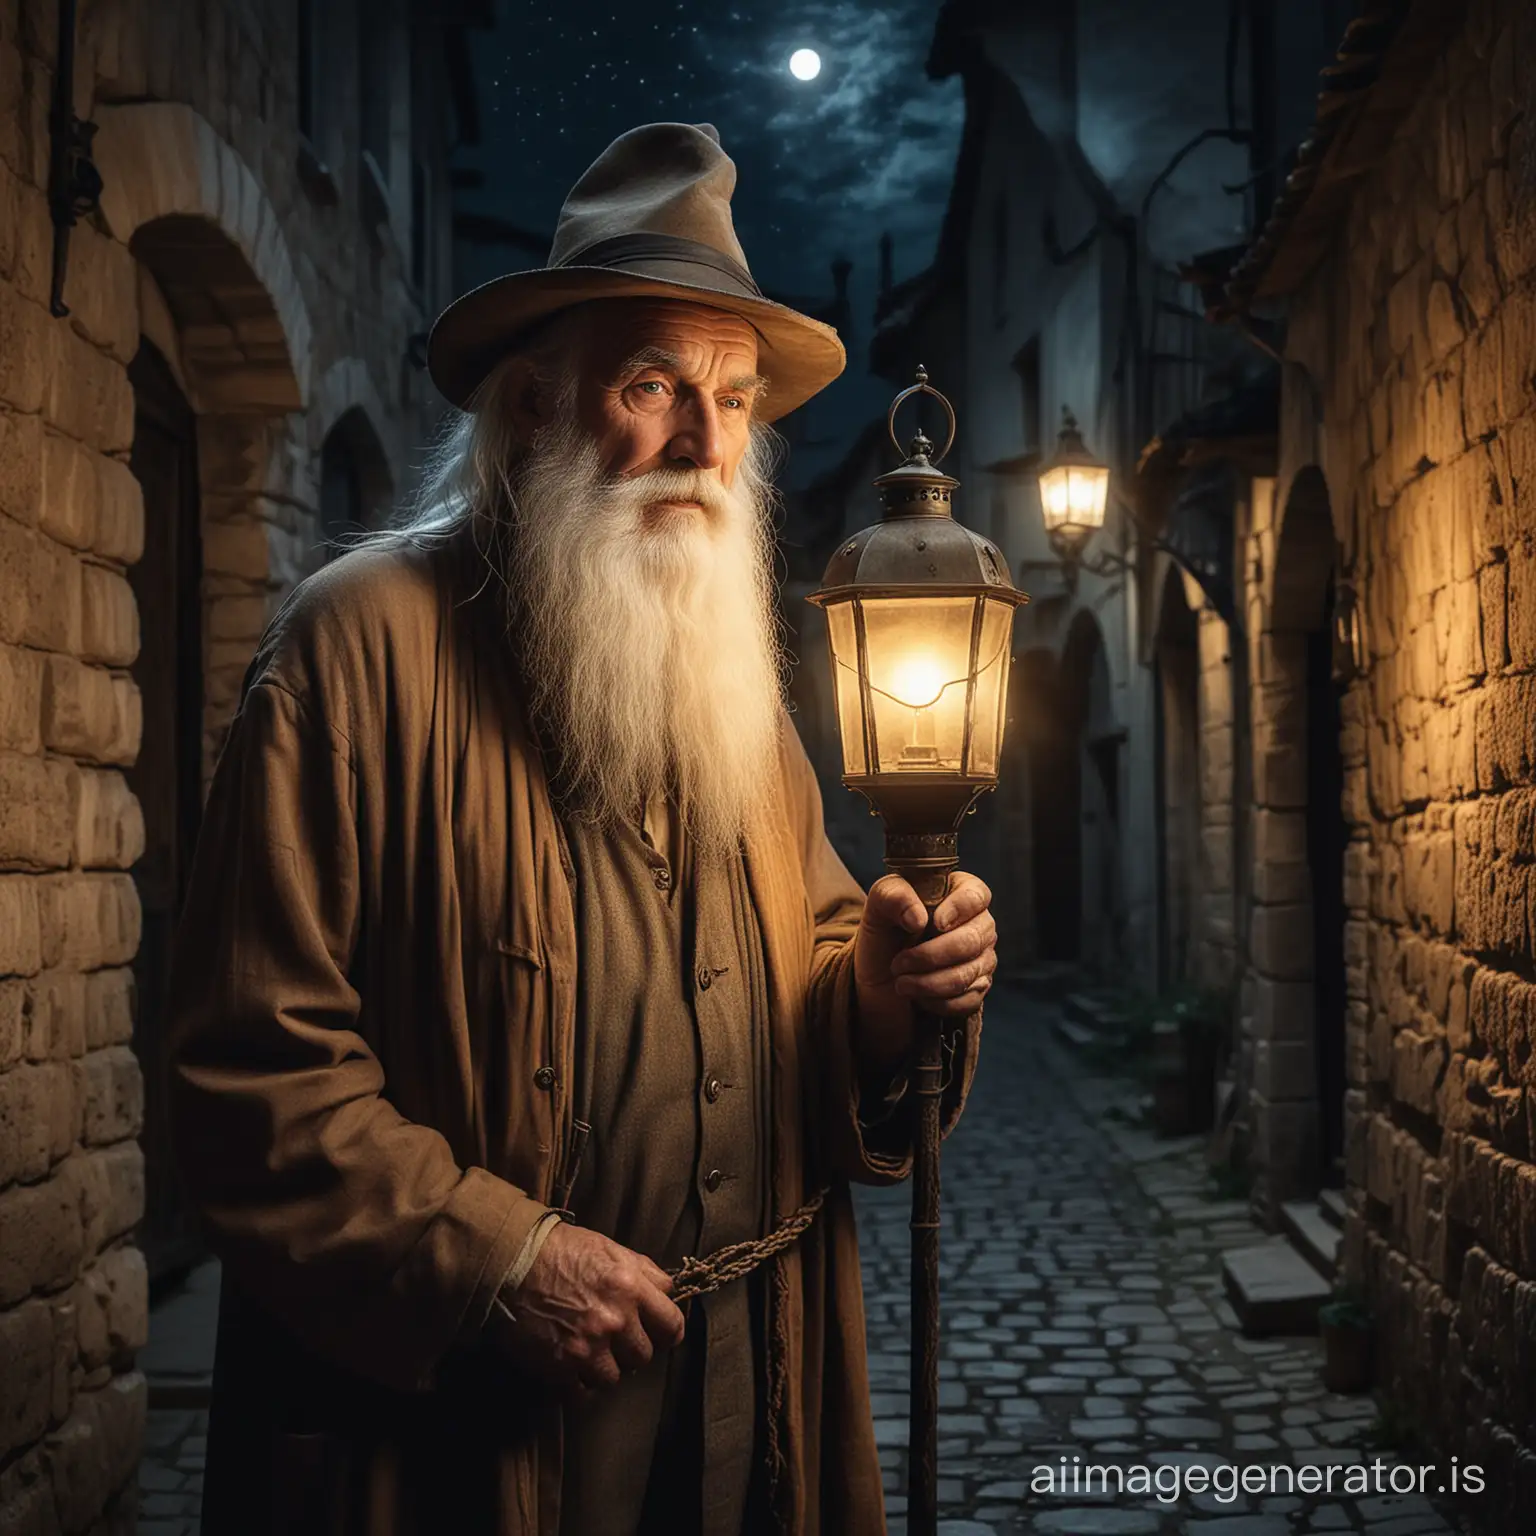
(805, 64)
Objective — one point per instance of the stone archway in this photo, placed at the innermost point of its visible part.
(163, 164)
(1296, 942)
(219, 379)
(356, 487)
(357, 478)
(210, 246)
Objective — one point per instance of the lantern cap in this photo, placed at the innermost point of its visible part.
(918, 545)
(917, 487)
(1071, 450)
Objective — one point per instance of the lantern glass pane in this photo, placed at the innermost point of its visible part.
(1073, 496)
(992, 657)
(919, 656)
(845, 679)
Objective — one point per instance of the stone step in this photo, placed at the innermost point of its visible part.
(1334, 1206)
(1312, 1235)
(1098, 1014)
(178, 1358)
(1273, 1289)
(1071, 1033)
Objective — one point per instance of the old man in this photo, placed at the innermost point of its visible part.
(517, 973)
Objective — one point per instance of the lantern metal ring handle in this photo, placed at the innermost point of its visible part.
(922, 387)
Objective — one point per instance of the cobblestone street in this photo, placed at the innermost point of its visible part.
(1084, 1317)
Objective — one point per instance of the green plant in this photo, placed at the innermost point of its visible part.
(1347, 1308)
(1229, 1180)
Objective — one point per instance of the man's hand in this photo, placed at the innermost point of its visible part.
(947, 974)
(590, 1309)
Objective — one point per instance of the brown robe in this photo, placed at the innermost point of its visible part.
(374, 1023)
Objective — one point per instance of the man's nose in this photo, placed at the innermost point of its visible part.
(697, 439)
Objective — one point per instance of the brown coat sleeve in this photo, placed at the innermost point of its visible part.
(867, 1154)
(356, 1227)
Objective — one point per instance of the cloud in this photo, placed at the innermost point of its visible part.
(868, 146)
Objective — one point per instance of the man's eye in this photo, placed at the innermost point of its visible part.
(653, 386)
(735, 402)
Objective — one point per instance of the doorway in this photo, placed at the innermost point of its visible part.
(1177, 765)
(167, 777)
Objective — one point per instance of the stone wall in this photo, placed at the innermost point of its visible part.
(1418, 341)
(291, 313)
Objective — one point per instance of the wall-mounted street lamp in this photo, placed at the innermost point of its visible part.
(1074, 489)
(1074, 494)
(920, 621)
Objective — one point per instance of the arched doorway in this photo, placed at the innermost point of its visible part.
(1097, 746)
(1298, 917)
(167, 775)
(1048, 742)
(1176, 668)
(356, 488)
(215, 378)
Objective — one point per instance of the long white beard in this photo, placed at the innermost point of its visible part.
(650, 646)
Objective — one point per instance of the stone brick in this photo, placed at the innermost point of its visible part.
(109, 617)
(36, 825)
(92, 1455)
(13, 1022)
(39, 1120)
(44, 1238)
(119, 532)
(88, 920)
(56, 1006)
(71, 492)
(66, 1355)
(1284, 1145)
(1284, 1069)
(108, 1007)
(89, 397)
(27, 345)
(21, 467)
(111, 1191)
(26, 1383)
(237, 547)
(1281, 940)
(42, 582)
(114, 1095)
(109, 823)
(89, 713)
(103, 292)
(112, 1308)
(1283, 1011)
(21, 946)
(1492, 602)
(21, 699)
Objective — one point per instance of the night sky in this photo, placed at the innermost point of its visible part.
(824, 165)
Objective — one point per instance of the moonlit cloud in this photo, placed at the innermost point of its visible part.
(869, 146)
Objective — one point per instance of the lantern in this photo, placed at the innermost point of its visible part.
(920, 623)
(1074, 488)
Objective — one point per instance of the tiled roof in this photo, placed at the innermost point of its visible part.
(1387, 50)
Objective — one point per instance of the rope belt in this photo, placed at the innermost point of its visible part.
(698, 1277)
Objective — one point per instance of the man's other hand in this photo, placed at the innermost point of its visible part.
(947, 974)
(589, 1310)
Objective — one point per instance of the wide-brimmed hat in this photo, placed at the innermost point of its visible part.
(651, 218)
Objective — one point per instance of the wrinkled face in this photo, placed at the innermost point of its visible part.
(667, 385)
